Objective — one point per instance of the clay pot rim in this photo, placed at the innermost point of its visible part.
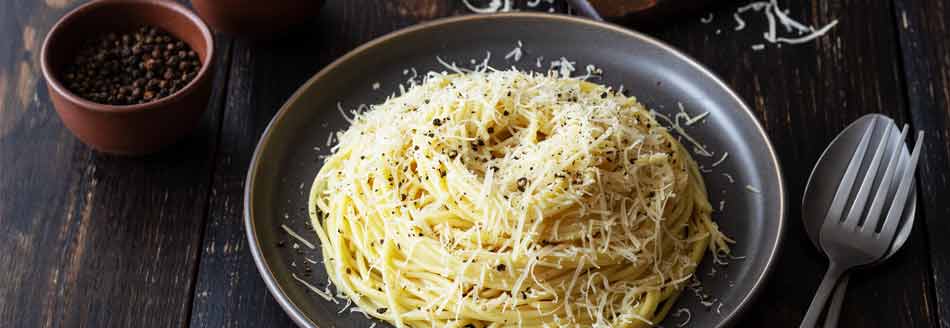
(80, 12)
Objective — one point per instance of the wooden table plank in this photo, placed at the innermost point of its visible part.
(923, 30)
(804, 95)
(88, 239)
(230, 292)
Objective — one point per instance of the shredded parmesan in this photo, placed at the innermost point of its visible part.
(724, 156)
(563, 66)
(295, 235)
(740, 24)
(680, 312)
(729, 177)
(752, 189)
(696, 118)
(316, 290)
(776, 16)
(493, 7)
(515, 53)
(809, 37)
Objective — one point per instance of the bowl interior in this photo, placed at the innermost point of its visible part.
(92, 20)
(288, 155)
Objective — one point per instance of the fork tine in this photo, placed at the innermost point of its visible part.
(900, 199)
(874, 213)
(847, 181)
(864, 189)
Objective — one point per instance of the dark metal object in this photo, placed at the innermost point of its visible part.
(661, 76)
(586, 9)
(820, 190)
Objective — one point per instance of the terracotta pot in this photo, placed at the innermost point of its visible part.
(646, 12)
(255, 18)
(131, 129)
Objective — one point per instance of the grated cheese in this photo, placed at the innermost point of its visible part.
(740, 24)
(724, 156)
(563, 66)
(729, 177)
(295, 235)
(775, 16)
(809, 37)
(493, 7)
(515, 53)
(752, 189)
(316, 290)
(680, 312)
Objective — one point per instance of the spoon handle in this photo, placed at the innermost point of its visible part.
(821, 296)
(834, 308)
(586, 9)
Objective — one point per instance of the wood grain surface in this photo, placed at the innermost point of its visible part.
(804, 95)
(91, 240)
(924, 32)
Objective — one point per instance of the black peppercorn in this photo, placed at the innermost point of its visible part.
(131, 68)
(522, 184)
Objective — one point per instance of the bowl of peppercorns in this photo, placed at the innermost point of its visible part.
(129, 76)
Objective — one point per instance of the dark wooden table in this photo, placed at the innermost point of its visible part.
(92, 240)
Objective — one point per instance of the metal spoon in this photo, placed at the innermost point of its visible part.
(584, 8)
(820, 191)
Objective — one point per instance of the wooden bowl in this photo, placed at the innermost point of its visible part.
(131, 129)
(255, 18)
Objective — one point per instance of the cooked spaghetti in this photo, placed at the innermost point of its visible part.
(502, 198)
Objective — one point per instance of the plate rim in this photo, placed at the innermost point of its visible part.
(297, 315)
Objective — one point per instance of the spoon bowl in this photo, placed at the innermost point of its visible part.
(820, 189)
(831, 168)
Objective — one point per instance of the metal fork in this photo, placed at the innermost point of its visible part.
(849, 240)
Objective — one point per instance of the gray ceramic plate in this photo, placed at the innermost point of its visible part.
(287, 157)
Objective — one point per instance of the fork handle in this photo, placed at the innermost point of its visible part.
(834, 308)
(821, 296)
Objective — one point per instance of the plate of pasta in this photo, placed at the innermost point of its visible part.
(514, 178)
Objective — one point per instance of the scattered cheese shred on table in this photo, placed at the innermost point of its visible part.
(493, 7)
(800, 33)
